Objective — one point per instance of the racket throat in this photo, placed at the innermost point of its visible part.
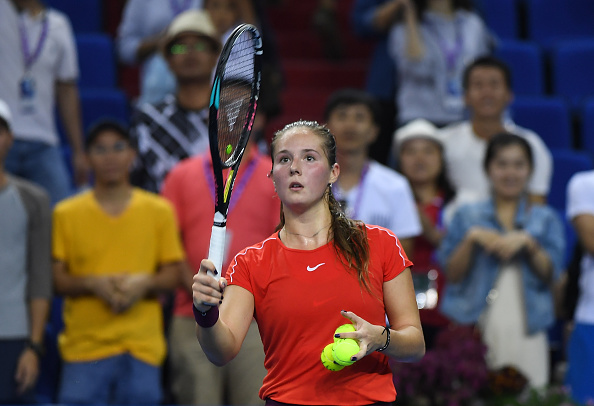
(220, 220)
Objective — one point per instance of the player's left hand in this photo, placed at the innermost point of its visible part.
(369, 335)
(206, 290)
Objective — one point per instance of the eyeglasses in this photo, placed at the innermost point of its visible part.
(182, 49)
(117, 148)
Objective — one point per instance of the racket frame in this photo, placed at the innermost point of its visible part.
(223, 189)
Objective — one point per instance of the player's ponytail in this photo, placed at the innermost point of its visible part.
(350, 236)
(350, 241)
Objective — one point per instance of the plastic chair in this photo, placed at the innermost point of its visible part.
(565, 163)
(525, 60)
(96, 59)
(501, 16)
(99, 104)
(572, 67)
(549, 117)
(84, 15)
(553, 20)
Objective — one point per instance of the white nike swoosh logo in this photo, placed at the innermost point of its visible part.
(310, 269)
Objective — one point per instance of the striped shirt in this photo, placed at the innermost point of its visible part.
(165, 133)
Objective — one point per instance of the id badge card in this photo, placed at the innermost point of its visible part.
(453, 102)
(27, 93)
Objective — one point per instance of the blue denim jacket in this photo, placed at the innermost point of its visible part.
(464, 301)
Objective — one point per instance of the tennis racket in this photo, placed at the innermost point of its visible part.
(233, 103)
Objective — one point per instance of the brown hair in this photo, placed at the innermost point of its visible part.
(350, 236)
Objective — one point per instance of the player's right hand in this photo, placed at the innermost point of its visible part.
(206, 290)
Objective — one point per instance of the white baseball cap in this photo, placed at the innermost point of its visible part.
(5, 113)
(419, 128)
(192, 22)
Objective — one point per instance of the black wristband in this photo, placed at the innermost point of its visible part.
(37, 348)
(206, 319)
(387, 344)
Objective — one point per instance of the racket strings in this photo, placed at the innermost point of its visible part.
(235, 97)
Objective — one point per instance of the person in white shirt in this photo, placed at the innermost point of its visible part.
(580, 351)
(368, 190)
(487, 94)
(430, 47)
(39, 70)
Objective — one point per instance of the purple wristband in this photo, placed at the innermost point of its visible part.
(207, 319)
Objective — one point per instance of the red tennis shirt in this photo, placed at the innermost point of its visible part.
(298, 298)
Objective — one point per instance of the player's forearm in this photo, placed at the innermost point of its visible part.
(407, 344)
(217, 342)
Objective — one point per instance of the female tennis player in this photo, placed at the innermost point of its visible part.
(319, 270)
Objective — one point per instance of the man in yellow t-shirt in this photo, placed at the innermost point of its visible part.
(115, 248)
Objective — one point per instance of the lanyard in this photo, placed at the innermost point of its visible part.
(239, 188)
(359, 197)
(31, 57)
(177, 7)
(452, 53)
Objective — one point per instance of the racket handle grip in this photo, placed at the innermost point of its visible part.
(216, 251)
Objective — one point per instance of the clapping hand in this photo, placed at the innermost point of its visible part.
(502, 245)
(486, 238)
(510, 244)
(120, 291)
(129, 289)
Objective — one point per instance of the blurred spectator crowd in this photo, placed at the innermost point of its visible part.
(464, 126)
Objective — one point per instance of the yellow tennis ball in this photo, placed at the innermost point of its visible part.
(344, 349)
(328, 361)
(229, 148)
(345, 328)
